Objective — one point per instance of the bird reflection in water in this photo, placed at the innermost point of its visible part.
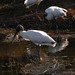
(32, 52)
(35, 53)
(61, 45)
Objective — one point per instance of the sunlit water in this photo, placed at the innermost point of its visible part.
(23, 57)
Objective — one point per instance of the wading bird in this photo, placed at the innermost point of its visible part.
(36, 36)
(55, 12)
(29, 3)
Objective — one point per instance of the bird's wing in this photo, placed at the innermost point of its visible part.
(38, 36)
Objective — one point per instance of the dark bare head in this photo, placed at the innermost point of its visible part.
(18, 29)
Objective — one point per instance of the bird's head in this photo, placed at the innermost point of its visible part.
(45, 14)
(18, 29)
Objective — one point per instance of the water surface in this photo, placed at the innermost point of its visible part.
(23, 57)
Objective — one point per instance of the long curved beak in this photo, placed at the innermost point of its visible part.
(15, 35)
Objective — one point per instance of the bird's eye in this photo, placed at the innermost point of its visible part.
(52, 42)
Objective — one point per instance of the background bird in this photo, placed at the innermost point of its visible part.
(55, 12)
(36, 36)
(29, 3)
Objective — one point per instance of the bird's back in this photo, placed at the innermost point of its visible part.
(38, 1)
(38, 36)
(55, 11)
(29, 3)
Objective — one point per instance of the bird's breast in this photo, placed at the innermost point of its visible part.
(24, 35)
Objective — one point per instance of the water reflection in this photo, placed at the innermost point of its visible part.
(61, 45)
(21, 47)
(37, 52)
(24, 57)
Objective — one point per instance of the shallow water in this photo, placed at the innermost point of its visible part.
(23, 57)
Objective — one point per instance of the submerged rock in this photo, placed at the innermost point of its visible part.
(2, 36)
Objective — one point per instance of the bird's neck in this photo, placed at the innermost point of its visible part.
(22, 32)
(24, 35)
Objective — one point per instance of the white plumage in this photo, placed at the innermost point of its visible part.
(36, 36)
(54, 12)
(29, 3)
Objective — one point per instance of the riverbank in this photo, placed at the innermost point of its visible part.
(15, 12)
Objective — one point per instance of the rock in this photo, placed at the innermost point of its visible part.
(2, 36)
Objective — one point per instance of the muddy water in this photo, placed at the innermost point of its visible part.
(23, 57)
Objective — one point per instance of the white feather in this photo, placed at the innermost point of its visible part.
(29, 3)
(55, 12)
(38, 37)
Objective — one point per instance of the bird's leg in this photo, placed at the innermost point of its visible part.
(38, 48)
(57, 31)
(36, 9)
(35, 14)
(31, 11)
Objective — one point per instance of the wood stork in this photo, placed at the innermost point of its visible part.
(55, 12)
(38, 37)
(29, 3)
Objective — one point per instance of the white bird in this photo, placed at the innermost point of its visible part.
(29, 3)
(38, 37)
(55, 12)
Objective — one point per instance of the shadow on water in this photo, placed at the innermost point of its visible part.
(23, 57)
